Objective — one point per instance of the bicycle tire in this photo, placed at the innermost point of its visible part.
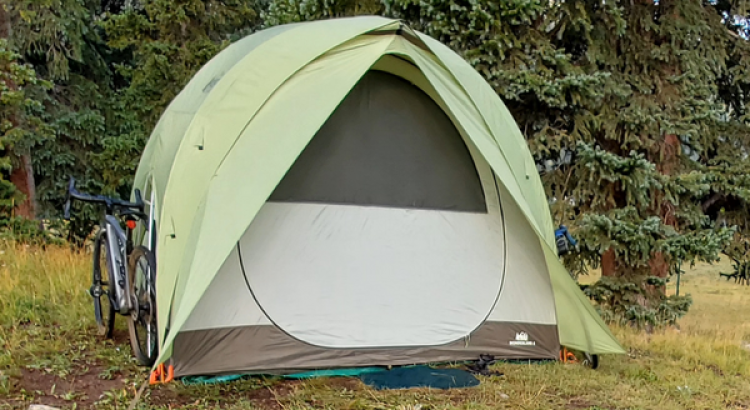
(104, 310)
(590, 360)
(585, 359)
(142, 320)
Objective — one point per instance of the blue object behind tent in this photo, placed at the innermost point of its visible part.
(564, 240)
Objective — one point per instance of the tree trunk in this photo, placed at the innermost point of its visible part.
(608, 263)
(23, 178)
(659, 266)
(668, 155)
(669, 152)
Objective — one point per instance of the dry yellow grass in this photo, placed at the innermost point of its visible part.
(717, 325)
(36, 283)
(46, 319)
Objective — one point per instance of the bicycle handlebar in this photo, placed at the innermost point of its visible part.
(109, 202)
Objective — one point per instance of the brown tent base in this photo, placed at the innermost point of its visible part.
(229, 350)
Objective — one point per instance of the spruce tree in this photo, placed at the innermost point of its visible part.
(93, 136)
(648, 160)
(728, 201)
(21, 127)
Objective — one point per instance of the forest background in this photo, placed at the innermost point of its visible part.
(636, 112)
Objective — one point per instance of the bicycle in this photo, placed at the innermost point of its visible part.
(129, 288)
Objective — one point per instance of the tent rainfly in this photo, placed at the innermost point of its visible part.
(347, 193)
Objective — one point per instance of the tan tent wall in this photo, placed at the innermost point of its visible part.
(527, 295)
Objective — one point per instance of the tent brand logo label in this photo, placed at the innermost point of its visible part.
(522, 339)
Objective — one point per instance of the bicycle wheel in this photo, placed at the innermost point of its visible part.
(104, 310)
(142, 320)
(590, 360)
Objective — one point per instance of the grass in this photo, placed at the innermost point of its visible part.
(47, 327)
(51, 355)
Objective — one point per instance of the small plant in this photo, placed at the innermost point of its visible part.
(626, 303)
(110, 372)
(26, 231)
(740, 273)
(738, 251)
(70, 396)
(115, 398)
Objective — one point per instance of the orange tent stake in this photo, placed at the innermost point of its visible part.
(163, 374)
(567, 356)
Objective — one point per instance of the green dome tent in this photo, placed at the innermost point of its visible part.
(350, 192)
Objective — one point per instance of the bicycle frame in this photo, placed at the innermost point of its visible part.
(117, 251)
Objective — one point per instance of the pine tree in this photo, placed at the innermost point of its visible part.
(285, 12)
(93, 138)
(20, 126)
(646, 160)
(115, 65)
(726, 162)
